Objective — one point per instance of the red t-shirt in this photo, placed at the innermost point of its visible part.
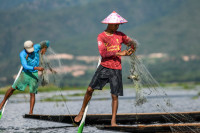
(108, 46)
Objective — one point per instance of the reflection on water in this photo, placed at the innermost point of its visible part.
(12, 121)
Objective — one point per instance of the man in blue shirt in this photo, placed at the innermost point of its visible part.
(30, 59)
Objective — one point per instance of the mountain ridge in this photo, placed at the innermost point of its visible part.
(169, 27)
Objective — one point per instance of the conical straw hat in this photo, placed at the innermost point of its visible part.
(114, 18)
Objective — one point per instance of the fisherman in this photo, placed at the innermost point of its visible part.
(109, 70)
(29, 76)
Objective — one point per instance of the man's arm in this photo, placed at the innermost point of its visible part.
(129, 41)
(23, 59)
(125, 52)
(39, 68)
(24, 62)
(103, 50)
(44, 45)
(104, 53)
(132, 43)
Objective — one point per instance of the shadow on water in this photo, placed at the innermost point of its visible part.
(2, 129)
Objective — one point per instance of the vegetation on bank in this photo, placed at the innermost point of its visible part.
(52, 88)
(185, 85)
(66, 97)
(49, 88)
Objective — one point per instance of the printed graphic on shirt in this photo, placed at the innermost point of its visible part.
(117, 40)
(113, 48)
(106, 44)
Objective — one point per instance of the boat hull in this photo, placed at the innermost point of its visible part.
(132, 118)
(158, 128)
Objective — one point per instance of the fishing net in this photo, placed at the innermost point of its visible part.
(51, 67)
(147, 87)
(52, 77)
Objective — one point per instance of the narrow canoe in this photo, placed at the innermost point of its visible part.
(131, 118)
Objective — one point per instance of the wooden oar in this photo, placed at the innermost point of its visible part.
(1, 112)
(81, 126)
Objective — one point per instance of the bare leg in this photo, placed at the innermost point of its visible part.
(32, 102)
(86, 99)
(114, 109)
(7, 95)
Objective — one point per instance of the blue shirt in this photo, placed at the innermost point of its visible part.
(33, 59)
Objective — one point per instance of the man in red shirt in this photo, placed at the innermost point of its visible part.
(109, 71)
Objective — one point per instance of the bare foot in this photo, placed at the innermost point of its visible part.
(114, 124)
(78, 117)
(30, 113)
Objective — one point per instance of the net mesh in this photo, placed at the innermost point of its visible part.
(147, 86)
(52, 75)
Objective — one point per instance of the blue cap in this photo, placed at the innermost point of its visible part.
(47, 43)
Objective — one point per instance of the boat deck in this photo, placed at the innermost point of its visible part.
(134, 122)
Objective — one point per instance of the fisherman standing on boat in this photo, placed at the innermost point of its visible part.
(109, 70)
(29, 76)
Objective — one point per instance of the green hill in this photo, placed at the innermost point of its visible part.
(72, 26)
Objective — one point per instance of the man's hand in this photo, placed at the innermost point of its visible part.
(39, 68)
(125, 52)
(43, 50)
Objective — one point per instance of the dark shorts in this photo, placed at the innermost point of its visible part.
(105, 75)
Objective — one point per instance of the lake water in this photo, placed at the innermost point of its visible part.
(18, 105)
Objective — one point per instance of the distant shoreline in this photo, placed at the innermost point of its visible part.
(51, 88)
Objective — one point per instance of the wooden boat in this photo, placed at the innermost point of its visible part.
(156, 128)
(132, 118)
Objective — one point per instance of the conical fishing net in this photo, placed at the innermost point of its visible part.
(52, 78)
(51, 67)
(146, 86)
